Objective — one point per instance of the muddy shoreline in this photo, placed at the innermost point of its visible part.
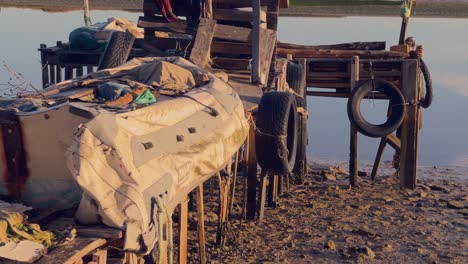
(326, 221)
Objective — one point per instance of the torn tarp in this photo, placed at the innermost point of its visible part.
(131, 165)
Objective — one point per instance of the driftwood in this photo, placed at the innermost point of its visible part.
(344, 54)
(375, 45)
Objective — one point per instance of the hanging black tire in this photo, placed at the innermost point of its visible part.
(294, 77)
(397, 104)
(117, 51)
(426, 101)
(276, 134)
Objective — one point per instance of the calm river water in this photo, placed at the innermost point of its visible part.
(445, 125)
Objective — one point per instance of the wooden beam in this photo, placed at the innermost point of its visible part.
(200, 54)
(256, 78)
(232, 48)
(237, 15)
(232, 33)
(231, 64)
(353, 146)
(159, 23)
(374, 45)
(251, 174)
(343, 54)
(267, 44)
(410, 126)
(208, 9)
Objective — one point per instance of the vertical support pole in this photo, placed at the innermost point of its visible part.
(52, 74)
(410, 126)
(353, 146)
(208, 9)
(303, 62)
(58, 73)
(378, 157)
(256, 42)
(262, 198)
(87, 17)
(252, 174)
(183, 231)
(272, 190)
(201, 224)
(233, 189)
(44, 65)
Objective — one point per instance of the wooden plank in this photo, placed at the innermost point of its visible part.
(353, 146)
(256, 38)
(394, 142)
(267, 44)
(232, 33)
(237, 15)
(99, 231)
(68, 72)
(410, 126)
(159, 23)
(183, 232)
(331, 53)
(200, 54)
(374, 45)
(342, 94)
(201, 224)
(233, 48)
(52, 74)
(378, 157)
(100, 257)
(208, 9)
(262, 198)
(44, 64)
(231, 64)
(58, 73)
(251, 173)
(73, 252)
(240, 3)
(79, 71)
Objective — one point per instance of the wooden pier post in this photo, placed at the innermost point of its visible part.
(410, 126)
(183, 231)
(201, 224)
(251, 174)
(353, 146)
(256, 79)
(261, 200)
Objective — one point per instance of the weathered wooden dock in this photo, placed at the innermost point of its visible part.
(240, 39)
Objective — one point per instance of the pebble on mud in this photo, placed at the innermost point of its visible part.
(330, 245)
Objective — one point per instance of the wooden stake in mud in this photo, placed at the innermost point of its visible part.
(262, 198)
(233, 188)
(353, 146)
(410, 125)
(252, 174)
(87, 17)
(183, 230)
(201, 224)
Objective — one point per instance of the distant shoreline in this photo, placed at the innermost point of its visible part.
(432, 9)
(424, 8)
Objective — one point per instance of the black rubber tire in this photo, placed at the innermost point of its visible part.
(117, 51)
(295, 80)
(276, 134)
(397, 104)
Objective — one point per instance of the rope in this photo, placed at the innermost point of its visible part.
(426, 101)
(164, 213)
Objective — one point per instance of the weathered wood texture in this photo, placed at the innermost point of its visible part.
(410, 126)
(251, 174)
(73, 252)
(200, 54)
(353, 146)
(375, 45)
(333, 53)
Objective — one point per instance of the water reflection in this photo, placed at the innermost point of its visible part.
(445, 124)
